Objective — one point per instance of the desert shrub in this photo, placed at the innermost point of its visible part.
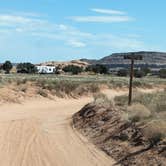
(23, 89)
(146, 70)
(121, 100)
(140, 83)
(160, 102)
(21, 81)
(94, 88)
(154, 101)
(73, 69)
(138, 112)
(139, 73)
(117, 85)
(98, 68)
(155, 131)
(137, 83)
(160, 107)
(26, 68)
(68, 87)
(43, 93)
(162, 73)
(122, 73)
(7, 66)
(102, 99)
(142, 98)
(100, 96)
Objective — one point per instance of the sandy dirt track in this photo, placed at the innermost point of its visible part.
(39, 133)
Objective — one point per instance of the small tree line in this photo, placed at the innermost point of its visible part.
(30, 68)
(97, 69)
(139, 73)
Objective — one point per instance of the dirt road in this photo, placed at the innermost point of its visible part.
(39, 133)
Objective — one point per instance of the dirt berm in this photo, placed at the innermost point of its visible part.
(121, 140)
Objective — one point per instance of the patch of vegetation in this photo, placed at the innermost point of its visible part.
(150, 111)
(69, 88)
(122, 73)
(98, 69)
(73, 69)
(139, 73)
(42, 92)
(102, 100)
(162, 73)
(138, 112)
(155, 131)
(7, 66)
(26, 68)
(23, 89)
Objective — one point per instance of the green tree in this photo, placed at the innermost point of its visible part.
(26, 68)
(122, 72)
(139, 73)
(146, 70)
(98, 68)
(162, 73)
(7, 66)
(72, 69)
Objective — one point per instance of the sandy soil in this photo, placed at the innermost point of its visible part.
(39, 133)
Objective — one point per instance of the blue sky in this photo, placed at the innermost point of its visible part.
(46, 30)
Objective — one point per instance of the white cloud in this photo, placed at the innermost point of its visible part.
(120, 43)
(76, 44)
(41, 29)
(108, 11)
(111, 17)
(11, 20)
(101, 19)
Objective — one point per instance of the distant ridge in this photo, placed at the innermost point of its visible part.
(151, 59)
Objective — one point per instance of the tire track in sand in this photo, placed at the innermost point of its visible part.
(39, 133)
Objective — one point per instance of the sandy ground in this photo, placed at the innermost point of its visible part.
(39, 133)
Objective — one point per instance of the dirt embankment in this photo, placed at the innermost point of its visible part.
(22, 90)
(120, 139)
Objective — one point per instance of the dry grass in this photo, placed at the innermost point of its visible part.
(138, 112)
(42, 92)
(150, 111)
(68, 88)
(101, 99)
(155, 131)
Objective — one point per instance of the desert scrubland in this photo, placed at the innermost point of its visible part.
(37, 114)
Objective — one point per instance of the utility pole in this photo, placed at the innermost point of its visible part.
(132, 57)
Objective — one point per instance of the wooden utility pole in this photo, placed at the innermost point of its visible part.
(132, 57)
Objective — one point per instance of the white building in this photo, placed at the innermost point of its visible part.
(46, 69)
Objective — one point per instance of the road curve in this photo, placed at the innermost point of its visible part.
(39, 133)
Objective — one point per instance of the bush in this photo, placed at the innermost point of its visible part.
(138, 112)
(162, 73)
(98, 69)
(102, 99)
(21, 81)
(121, 100)
(155, 101)
(43, 93)
(122, 73)
(139, 73)
(154, 131)
(146, 70)
(7, 66)
(73, 69)
(26, 68)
